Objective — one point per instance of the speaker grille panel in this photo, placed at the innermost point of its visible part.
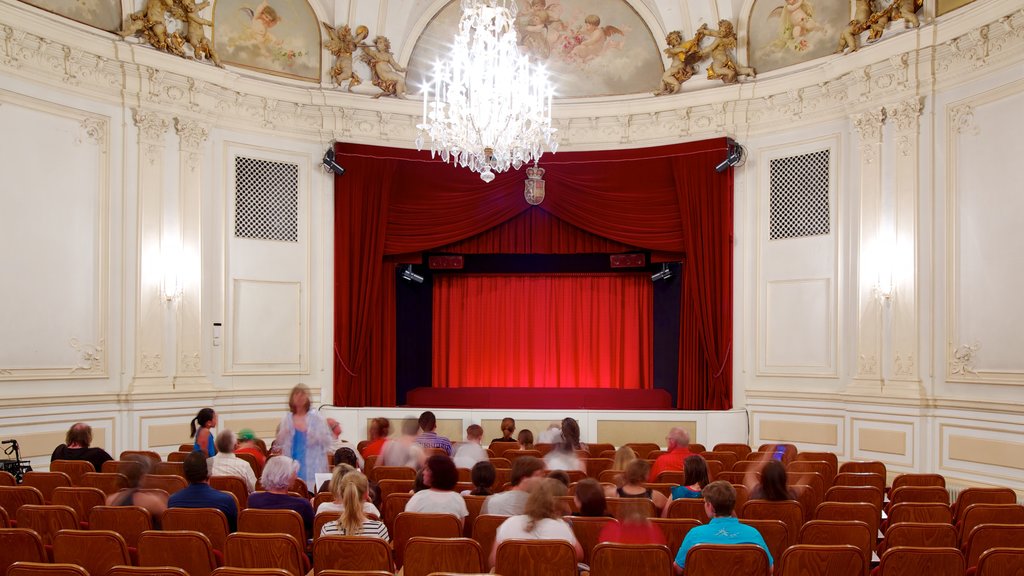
(799, 196)
(266, 200)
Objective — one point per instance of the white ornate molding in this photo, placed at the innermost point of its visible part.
(867, 365)
(961, 361)
(95, 129)
(191, 134)
(127, 72)
(903, 365)
(90, 357)
(869, 128)
(152, 126)
(905, 114)
(961, 119)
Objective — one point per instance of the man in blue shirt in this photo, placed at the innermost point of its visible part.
(724, 528)
(430, 439)
(199, 494)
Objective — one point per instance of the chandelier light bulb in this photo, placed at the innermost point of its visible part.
(488, 107)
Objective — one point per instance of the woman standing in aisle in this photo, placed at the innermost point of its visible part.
(304, 436)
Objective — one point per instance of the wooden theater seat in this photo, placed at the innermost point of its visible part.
(186, 549)
(95, 550)
(352, 553)
(424, 555)
(248, 550)
(535, 558)
(912, 561)
(727, 560)
(821, 560)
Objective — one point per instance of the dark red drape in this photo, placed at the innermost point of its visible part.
(398, 202)
(543, 331)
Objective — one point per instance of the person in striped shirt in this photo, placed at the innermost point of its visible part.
(353, 520)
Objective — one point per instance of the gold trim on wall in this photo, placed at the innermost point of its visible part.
(619, 432)
(791, 431)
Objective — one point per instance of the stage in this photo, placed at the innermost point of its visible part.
(540, 398)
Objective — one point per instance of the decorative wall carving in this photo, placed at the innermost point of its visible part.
(90, 356)
(962, 359)
(903, 364)
(961, 119)
(869, 127)
(867, 365)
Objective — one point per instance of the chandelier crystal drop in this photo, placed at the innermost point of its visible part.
(488, 107)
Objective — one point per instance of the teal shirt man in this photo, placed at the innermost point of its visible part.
(724, 528)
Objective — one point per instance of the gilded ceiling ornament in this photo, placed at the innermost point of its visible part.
(723, 64)
(685, 57)
(342, 44)
(150, 24)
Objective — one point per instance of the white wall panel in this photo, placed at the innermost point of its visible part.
(267, 323)
(53, 227)
(798, 324)
(987, 203)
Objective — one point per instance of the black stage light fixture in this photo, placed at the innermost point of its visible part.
(410, 276)
(735, 157)
(664, 274)
(330, 164)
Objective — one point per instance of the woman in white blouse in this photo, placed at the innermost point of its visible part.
(542, 520)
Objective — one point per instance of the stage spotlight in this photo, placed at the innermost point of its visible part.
(735, 157)
(410, 276)
(330, 164)
(664, 274)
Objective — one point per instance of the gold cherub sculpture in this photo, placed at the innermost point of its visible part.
(342, 44)
(195, 33)
(685, 55)
(723, 64)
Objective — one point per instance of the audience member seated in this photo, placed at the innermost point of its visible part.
(508, 426)
(247, 445)
(278, 476)
(403, 450)
(563, 455)
(678, 450)
(470, 452)
(441, 476)
(340, 442)
(76, 447)
(623, 456)
(634, 476)
(724, 527)
(379, 430)
(199, 494)
(225, 463)
(525, 439)
(354, 490)
(634, 529)
(542, 519)
(590, 498)
(695, 478)
(527, 471)
(483, 476)
(428, 438)
(560, 475)
(773, 485)
(336, 487)
(202, 430)
(154, 502)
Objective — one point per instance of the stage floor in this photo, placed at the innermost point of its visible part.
(540, 398)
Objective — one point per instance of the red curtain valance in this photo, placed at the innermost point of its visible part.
(665, 199)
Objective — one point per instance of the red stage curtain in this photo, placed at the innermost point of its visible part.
(535, 232)
(399, 202)
(543, 331)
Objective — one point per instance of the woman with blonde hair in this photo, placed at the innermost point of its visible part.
(354, 489)
(623, 456)
(542, 520)
(336, 487)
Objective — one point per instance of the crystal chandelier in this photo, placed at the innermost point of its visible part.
(488, 108)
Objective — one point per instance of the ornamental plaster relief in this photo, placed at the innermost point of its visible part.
(121, 72)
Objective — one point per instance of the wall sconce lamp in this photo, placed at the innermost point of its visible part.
(171, 286)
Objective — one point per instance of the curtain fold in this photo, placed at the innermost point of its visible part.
(667, 199)
(536, 232)
(543, 331)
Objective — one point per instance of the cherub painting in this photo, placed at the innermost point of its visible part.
(785, 32)
(275, 36)
(589, 47)
(102, 14)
